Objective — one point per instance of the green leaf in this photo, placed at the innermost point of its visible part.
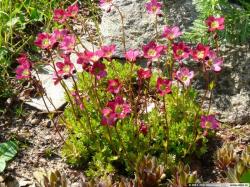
(245, 178)
(2, 165)
(12, 22)
(7, 152)
(35, 15)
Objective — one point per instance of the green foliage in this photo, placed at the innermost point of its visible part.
(8, 150)
(99, 148)
(236, 20)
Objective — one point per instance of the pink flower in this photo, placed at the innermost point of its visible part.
(121, 108)
(77, 99)
(84, 60)
(23, 59)
(98, 70)
(154, 7)
(184, 75)
(66, 68)
(106, 4)
(115, 109)
(56, 78)
(163, 86)
(114, 86)
(209, 122)
(45, 41)
(143, 128)
(181, 51)
(201, 52)
(144, 73)
(72, 10)
(23, 71)
(152, 51)
(67, 45)
(58, 35)
(131, 55)
(213, 63)
(108, 117)
(108, 51)
(171, 32)
(214, 23)
(92, 56)
(60, 15)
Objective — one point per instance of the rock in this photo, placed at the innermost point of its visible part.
(76, 184)
(1, 178)
(24, 182)
(35, 121)
(181, 13)
(139, 25)
(232, 93)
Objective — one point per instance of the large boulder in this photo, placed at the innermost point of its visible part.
(139, 25)
(232, 93)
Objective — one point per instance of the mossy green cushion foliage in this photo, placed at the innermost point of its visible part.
(99, 148)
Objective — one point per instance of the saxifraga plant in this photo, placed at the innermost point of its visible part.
(226, 157)
(119, 111)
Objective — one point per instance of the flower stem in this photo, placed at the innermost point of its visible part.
(123, 147)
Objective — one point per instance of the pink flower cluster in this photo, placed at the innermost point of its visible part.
(115, 110)
(23, 70)
(61, 38)
(61, 15)
(91, 61)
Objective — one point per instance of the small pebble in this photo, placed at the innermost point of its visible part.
(237, 127)
(35, 121)
(1, 178)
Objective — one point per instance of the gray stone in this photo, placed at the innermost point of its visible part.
(232, 93)
(181, 13)
(139, 25)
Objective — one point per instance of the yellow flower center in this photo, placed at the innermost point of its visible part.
(46, 42)
(154, 8)
(163, 87)
(151, 52)
(171, 36)
(26, 72)
(200, 54)
(118, 109)
(66, 68)
(179, 52)
(95, 58)
(109, 54)
(215, 24)
(208, 124)
(184, 78)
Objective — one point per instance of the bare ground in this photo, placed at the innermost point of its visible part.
(40, 146)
